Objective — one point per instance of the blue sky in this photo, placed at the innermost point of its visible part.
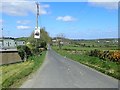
(76, 20)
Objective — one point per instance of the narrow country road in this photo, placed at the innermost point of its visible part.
(60, 72)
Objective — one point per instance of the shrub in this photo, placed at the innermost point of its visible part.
(24, 52)
(43, 45)
(95, 53)
(115, 56)
(105, 55)
(21, 53)
(36, 51)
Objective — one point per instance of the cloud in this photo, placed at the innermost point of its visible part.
(22, 7)
(65, 18)
(1, 21)
(23, 27)
(107, 4)
(23, 22)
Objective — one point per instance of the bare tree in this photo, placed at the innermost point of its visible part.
(60, 40)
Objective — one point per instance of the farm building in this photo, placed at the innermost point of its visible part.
(54, 42)
(62, 42)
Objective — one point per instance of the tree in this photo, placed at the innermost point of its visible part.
(44, 39)
(24, 52)
(60, 38)
(45, 36)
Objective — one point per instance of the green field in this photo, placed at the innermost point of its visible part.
(13, 75)
(79, 54)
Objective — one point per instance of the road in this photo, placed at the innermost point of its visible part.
(60, 72)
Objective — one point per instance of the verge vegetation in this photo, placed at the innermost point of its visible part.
(13, 75)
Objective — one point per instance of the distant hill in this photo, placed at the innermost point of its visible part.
(22, 38)
(105, 39)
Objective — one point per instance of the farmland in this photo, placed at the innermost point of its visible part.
(102, 56)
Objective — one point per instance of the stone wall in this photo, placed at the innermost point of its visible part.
(9, 57)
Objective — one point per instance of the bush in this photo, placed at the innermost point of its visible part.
(95, 53)
(43, 45)
(21, 53)
(38, 48)
(24, 52)
(105, 55)
(115, 56)
(36, 51)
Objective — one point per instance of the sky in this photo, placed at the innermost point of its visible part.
(75, 20)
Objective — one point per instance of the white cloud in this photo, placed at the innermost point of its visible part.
(107, 4)
(45, 6)
(1, 21)
(22, 7)
(23, 27)
(65, 18)
(23, 21)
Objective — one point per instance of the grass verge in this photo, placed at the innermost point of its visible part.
(13, 75)
(105, 66)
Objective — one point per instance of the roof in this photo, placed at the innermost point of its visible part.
(6, 38)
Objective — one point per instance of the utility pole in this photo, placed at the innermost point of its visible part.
(37, 4)
(2, 37)
(2, 32)
(37, 28)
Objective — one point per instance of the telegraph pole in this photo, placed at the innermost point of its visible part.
(37, 4)
(2, 32)
(37, 14)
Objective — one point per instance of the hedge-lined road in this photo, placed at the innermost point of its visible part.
(59, 72)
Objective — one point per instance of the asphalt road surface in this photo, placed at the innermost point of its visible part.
(60, 72)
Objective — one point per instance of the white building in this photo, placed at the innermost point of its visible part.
(7, 43)
(10, 43)
(107, 41)
(19, 43)
(0, 44)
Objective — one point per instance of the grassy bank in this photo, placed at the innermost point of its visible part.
(13, 75)
(105, 66)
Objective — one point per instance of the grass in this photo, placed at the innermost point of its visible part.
(88, 48)
(105, 66)
(13, 75)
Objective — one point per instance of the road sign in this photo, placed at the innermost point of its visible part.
(37, 33)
